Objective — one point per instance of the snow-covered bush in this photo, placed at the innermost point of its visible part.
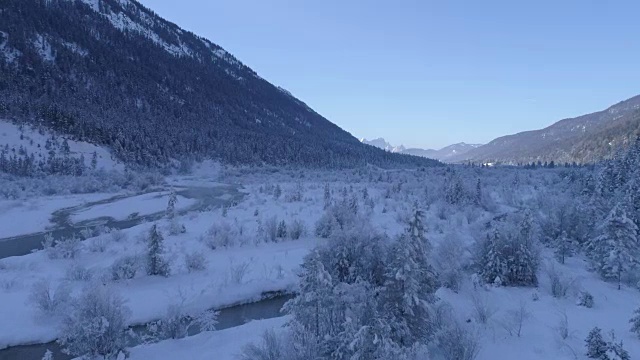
(585, 299)
(175, 227)
(177, 323)
(126, 267)
(96, 325)
(270, 229)
(271, 347)
(195, 261)
(449, 261)
(455, 342)
(117, 235)
(49, 301)
(559, 284)
(77, 272)
(296, 229)
(220, 235)
(282, 230)
(61, 248)
(326, 225)
(98, 244)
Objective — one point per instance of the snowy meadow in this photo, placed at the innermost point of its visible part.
(450, 262)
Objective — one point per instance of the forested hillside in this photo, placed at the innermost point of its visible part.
(112, 72)
(589, 138)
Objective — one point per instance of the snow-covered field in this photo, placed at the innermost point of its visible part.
(230, 255)
(131, 206)
(14, 137)
(19, 217)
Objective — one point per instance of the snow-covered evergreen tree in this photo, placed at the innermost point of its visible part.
(635, 322)
(563, 247)
(596, 346)
(311, 309)
(616, 250)
(409, 287)
(490, 261)
(327, 196)
(171, 205)
(48, 355)
(156, 263)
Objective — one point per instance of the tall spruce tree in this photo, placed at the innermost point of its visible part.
(616, 250)
(156, 264)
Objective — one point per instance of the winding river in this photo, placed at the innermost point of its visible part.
(206, 197)
(268, 307)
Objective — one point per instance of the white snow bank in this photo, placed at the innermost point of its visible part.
(141, 205)
(20, 217)
(33, 141)
(220, 345)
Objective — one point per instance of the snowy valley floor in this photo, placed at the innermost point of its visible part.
(233, 254)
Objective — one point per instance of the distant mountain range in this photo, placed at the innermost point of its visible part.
(114, 73)
(584, 139)
(444, 154)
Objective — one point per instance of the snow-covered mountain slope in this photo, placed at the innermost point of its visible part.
(383, 144)
(114, 73)
(18, 140)
(584, 139)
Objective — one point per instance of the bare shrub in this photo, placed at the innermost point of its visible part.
(48, 301)
(237, 272)
(220, 235)
(482, 310)
(271, 229)
(296, 229)
(77, 272)
(117, 235)
(269, 348)
(559, 284)
(98, 244)
(515, 319)
(195, 261)
(455, 342)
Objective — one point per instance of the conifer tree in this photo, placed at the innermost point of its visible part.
(156, 264)
(635, 322)
(596, 346)
(409, 287)
(615, 251)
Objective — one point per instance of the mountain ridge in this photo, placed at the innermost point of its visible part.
(443, 154)
(114, 73)
(588, 138)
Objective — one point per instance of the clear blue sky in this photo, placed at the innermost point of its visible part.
(431, 73)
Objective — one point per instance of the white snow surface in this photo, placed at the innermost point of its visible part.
(33, 141)
(220, 345)
(139, 205)
(20, 217)
(273, 266)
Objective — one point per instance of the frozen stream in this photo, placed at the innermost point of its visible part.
(206, 197)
